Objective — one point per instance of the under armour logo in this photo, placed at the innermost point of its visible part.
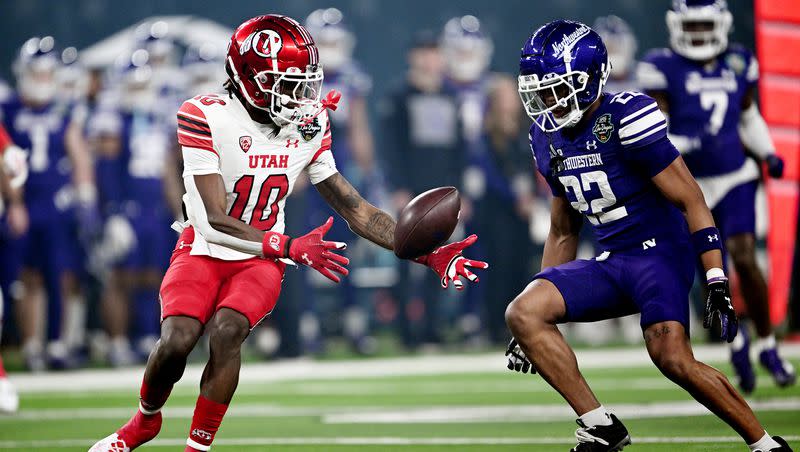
(306, 259)
(591, 145)
(202, 434)
(649, 244)
(184, 244)
(713, 238)
(290, 143)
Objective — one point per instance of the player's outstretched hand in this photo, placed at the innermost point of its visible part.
(311, 250)
(449, 264)
(517, 360)
(719, 314)
(774, 166)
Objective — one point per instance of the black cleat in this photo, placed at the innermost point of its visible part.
(784, 445)
(601, 438)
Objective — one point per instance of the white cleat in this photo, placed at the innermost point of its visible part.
(111, 443)
(9, 400)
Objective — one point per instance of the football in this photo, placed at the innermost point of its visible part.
(426, 222)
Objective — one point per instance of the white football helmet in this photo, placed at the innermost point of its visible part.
(36, 68)
(698, 29)
(466, 48)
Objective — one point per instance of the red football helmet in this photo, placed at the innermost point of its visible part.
(274, 62)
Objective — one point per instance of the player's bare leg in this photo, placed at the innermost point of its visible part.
(754, 291)
(165, 367)
(61, 349)
(670, 350)
(115, 309)
(532, 318)
(226, 333)
(741, 248)
(29, 310)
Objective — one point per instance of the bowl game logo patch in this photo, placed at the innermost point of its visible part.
(602, 128)
(736, 63)
(309, 130)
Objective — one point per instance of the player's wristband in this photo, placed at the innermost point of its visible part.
(275, 245)
(706, 239)
(715, 275)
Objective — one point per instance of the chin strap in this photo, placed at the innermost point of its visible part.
(330, 102)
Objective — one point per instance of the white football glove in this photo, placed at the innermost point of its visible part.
(15, 165)
(517, 360)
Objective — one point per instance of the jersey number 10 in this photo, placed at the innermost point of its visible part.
(273, 189)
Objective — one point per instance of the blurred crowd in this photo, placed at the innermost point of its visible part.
(84, 243)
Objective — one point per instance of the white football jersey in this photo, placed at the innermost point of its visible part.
(258, 166)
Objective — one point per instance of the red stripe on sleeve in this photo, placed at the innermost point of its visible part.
(188, 140)
(192, 111)
(193, 130)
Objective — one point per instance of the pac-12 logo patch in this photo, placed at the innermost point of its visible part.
(603, 127)
(245, 142)
(309, 130)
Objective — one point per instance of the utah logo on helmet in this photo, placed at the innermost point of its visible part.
(265, 43)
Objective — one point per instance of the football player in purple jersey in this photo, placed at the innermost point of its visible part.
(707, 89)
(607, 156)
(59, 189)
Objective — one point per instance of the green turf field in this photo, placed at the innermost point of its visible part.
(483, 410)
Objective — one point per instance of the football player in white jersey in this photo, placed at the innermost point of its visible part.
(242, 153)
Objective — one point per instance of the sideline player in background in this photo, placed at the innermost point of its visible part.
(467, 50)
(243, 152)
(621, 45)
(59, 189)
(13, 223)
(607, 156)
(422, 145)
(355, 159)
(707, 89)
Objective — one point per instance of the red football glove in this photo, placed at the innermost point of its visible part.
(310, 250)
(449, 264)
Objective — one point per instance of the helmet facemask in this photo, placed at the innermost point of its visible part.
(699, 33)
(552, 101)
(293, 95)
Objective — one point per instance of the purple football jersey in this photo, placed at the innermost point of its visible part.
(604, 168)
(705, 102)
(41, 131)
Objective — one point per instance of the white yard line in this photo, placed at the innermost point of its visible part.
(539, 413)
(306, 369)
(378, 441)
(409, 415)
(331, 388)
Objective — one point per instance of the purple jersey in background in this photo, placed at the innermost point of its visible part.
(41, 131)
(705, 102)
(605, 172)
